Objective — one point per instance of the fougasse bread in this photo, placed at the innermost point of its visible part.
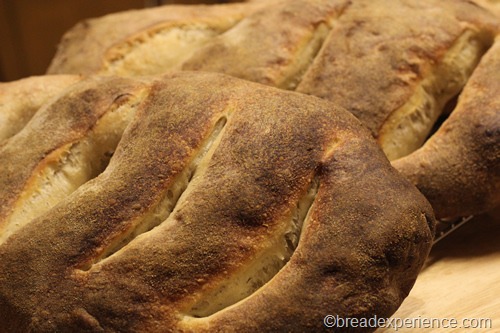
(397, 65)
(199, 202)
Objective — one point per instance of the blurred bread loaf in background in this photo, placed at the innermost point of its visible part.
(399, 66)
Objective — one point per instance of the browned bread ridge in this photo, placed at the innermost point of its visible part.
(227, 206)
(459, 166)
(20, 99)
(397, 65)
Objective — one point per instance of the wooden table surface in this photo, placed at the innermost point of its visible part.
(461, 280)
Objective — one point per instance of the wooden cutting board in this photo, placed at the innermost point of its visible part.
(461, 280)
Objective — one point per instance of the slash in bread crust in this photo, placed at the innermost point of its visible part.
(462, 161)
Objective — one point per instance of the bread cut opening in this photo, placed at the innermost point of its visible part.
(68, 167)
(164, 48)
(406, 129)
(305, 58)
(262, 267)
(166, 205)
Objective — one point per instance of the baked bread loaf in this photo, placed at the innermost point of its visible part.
(226, 206)
(396, 65)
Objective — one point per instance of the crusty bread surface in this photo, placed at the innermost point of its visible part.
(460, 165)
(397, 65)
(20, 99)
(200, 202)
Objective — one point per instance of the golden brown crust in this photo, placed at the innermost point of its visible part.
(395, 65)
(90, 54)
(377, 54)
(75, 268)
(274, 46)
(492, 5)
(44, 140)
(458, 169)
(19, 100)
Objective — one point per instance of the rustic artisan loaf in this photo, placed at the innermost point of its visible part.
(226, 206)
(397, 65)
